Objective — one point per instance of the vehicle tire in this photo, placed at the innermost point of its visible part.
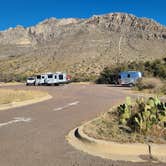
(131, 85)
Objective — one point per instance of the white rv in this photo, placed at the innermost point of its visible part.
(40, 79)
(57, 78)
(52, 78)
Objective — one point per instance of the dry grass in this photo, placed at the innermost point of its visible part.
(10, 83)
(103, 129)
(150, 85)
(9, 96)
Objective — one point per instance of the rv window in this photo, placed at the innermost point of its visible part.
(128, 75)
(43, 77)
(50, 76)
(61, 77)
(55, 77)
(38, 76)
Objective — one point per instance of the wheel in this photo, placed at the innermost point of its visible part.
(131, 85)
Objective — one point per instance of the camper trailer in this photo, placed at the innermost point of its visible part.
(40, 79)
(57, 78)
(51, 79)
(129, 77)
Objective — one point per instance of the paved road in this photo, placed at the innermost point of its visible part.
(34, 135)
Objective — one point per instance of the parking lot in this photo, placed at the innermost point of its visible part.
(34, 135)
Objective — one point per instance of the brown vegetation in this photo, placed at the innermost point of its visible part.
(9, 96)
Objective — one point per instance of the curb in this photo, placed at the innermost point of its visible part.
(135, 152)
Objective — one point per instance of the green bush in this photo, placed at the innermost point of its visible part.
(110, 74)
(156, 68)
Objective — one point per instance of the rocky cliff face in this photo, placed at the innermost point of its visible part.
(81, 45)
(52, 28)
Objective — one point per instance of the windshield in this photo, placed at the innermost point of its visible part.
(30, 78)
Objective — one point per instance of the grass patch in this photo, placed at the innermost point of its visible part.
(151, 85)
(10, 83)
(143, 121)
(9, 96)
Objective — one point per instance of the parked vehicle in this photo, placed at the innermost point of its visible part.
(51, 79)
(57, 78)
(30, 81)
(41, 79)
(129, 77)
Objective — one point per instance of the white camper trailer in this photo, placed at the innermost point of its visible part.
(56, 78)
(51, 79)
(40, 79)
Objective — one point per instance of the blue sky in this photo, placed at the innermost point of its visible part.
(30, 12)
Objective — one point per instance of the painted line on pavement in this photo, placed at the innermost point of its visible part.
(66, 106)
(74, 103)
(16, 120)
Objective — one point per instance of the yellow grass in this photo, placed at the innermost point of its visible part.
(9, 96)
(10, 83)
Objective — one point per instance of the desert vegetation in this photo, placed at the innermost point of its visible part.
(82, 48)
(151, 85)
(154, 75)
(142, 121)
(156, 68)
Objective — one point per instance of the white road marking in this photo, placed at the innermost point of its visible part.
(74, 103)
(67, 106)
(59, 108)
(15, 120)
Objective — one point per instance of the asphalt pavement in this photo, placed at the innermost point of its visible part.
(34, 135)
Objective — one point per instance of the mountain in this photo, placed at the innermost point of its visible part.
(80, 46)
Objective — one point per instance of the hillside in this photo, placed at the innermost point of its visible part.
(80, 45)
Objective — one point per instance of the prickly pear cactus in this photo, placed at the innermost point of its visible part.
(143, 115)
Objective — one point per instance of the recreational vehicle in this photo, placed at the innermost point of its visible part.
(40, 79)
(129, 77)
(50, 79)
(57, 78)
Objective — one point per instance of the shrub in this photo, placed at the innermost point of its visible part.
(156, 68)
(153, 84)
(110, 74)
(83, 77)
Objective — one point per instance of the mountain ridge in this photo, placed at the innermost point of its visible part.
(81, 45)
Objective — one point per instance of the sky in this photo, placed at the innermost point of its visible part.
(31, 12)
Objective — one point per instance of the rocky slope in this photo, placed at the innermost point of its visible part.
(80, 45)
